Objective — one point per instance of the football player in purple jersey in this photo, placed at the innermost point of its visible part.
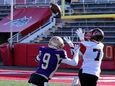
(49, 59)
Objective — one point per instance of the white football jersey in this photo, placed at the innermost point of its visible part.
(92, 57)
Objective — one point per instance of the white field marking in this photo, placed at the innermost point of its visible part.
(107, 77)
(11, 72)
(104, 85)
(112, 81)
(64, 77)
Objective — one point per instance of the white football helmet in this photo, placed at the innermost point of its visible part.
(56, 42)
(95, 34)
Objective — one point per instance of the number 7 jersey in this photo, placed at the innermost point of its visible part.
(92, 54)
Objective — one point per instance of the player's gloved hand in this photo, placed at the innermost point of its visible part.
(75, 49)
(75, 59)
(68, 40)
(80, 34)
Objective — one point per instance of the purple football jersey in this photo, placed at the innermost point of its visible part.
(50, 60)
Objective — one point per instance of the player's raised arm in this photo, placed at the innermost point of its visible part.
(75, 59)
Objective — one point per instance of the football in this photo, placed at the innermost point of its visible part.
(56, 10)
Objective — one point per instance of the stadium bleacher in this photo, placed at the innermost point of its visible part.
(4, 11)
(106, 24)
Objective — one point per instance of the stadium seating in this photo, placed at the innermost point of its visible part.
(106, 24)
(4, 11)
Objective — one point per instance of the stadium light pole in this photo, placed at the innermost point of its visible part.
(11, 21)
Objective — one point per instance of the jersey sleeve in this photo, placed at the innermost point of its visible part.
(72, 62)
(63, 54)
(82, 48)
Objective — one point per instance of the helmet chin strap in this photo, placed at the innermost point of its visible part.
(95, 41)
(52, 47)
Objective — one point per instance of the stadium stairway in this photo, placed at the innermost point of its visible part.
(26, 25)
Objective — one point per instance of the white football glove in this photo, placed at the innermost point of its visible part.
(68, 40)
(75, 59)
(80, 34)
(75, 49)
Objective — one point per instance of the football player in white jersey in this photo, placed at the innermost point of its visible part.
(91, 49)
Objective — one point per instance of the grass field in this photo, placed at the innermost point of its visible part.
(25, 83)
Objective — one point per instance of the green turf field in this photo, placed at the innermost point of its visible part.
(24, 83)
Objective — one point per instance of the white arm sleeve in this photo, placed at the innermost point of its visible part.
(73, 61)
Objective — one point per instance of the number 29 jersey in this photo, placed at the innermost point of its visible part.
(92, 54)
(50, 60)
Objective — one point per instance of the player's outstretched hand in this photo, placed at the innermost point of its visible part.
(75, 49)
(80, 34)
(68, 40)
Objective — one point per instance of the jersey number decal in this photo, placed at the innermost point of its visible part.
(98, 54)
(46, 59)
